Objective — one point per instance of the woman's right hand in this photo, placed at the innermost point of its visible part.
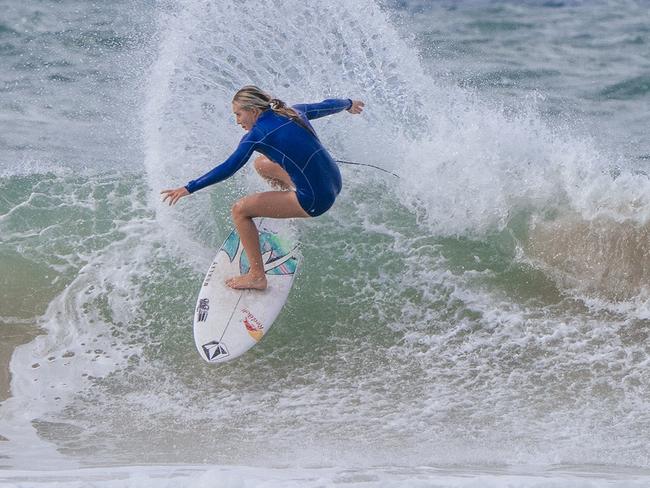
(174, 195)
(357, 107)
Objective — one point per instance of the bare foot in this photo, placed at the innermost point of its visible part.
(247, 282)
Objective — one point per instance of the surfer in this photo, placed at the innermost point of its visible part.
(292, 159)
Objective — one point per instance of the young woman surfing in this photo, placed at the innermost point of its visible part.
(293, 158)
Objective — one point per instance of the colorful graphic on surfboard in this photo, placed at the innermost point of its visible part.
(228, 322)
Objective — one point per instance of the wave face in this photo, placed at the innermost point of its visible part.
(489, 307)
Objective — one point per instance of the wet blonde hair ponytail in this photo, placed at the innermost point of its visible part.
(251, 97)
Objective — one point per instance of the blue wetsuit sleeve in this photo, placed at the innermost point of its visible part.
(226, 169)
(326, 107)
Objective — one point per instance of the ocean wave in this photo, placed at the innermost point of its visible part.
(629, 89)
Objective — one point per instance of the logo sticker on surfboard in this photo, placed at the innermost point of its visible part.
(214, 350)
(254, 327)
(202, 310)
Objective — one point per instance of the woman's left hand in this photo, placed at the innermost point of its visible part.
(357, 107)
(174, 195)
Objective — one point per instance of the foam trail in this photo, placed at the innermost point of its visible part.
(384, 477)
(84, 323)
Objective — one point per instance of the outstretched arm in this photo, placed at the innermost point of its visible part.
(225, 170)
(329, 107)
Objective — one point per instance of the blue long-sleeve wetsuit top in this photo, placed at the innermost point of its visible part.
(312, 170)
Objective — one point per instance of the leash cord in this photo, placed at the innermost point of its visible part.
(369, 165)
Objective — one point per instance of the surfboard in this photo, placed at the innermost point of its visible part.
(228, 322)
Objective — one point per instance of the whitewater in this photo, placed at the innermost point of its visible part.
(482, 320)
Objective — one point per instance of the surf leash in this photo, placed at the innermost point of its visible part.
(366, 164)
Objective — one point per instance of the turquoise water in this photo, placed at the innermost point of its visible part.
(480, 321)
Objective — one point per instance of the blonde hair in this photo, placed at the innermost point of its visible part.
(251, 97)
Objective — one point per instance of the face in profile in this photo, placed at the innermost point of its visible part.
(245, 117)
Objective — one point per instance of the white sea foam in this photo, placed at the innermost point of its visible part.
(193, 476)
(78, 347)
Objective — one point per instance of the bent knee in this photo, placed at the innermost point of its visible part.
(239, 209)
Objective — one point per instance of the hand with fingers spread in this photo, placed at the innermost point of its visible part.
(174, 195)
(356, 107)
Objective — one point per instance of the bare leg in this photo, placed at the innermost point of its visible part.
(273, 173)
(275, 204)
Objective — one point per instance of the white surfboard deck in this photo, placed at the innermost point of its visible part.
(228, 322)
